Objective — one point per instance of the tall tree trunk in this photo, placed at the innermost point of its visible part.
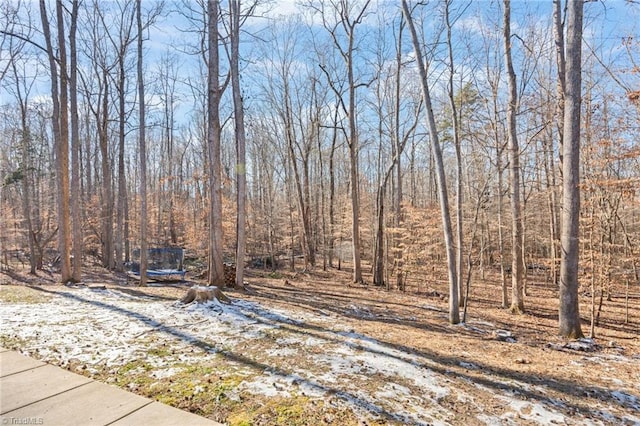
(558, 32)
(323, 198)
(60, 121)
(503, 273)
(332, 188)
(348, 24)
(107, 177)
(552, 203)
(241, 168)
(26, 167)
(354, 149)
(397, 200)
(122, 185)
(378, 255)
(142, 143)
(454, 309)
(456, 143)
(75, 148)
(64, 209)
(517, 262)
(302, 198)
(569, 312)
(214, 93)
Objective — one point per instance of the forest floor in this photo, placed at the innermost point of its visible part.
(311, 349)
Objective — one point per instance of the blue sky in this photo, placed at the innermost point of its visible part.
(606, 23)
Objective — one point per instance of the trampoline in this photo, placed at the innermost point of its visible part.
(163, 264)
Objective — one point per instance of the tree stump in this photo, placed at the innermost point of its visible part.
(200, 294)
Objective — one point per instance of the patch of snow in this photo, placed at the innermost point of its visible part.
(313, 341)
(473, 328)
(607, 417)
(107, 329)
(281, 352)
(393, 390)
(490, 420)
(167, 372)
(535, 412)
(631, 420)
(431, 308)
(627, 400)
(360, 312)
(289, 341)
(584, 345)
(364, 357)
(268, 385)
(468, 365)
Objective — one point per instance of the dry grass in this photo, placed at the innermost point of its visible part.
(537, 367)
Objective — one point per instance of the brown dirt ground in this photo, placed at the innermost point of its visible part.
(416, 321)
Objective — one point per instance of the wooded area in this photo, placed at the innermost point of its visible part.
(410, 143)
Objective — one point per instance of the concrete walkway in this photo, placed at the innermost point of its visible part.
(35, 393)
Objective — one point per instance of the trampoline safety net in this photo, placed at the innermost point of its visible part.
(165, 260)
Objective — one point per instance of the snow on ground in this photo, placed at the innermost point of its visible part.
(110, 328)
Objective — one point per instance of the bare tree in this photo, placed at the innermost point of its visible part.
(216, 267)
(97, 88)
(569, 320)
(77, 235)
(454, 310)
(398, 119)
(348, 17)
(241, 162)
(517, 262)
(60, 120)
(558, 32)
(124, 22)
(457, 144)
(287, 94)
(21, 91)
(142, 144)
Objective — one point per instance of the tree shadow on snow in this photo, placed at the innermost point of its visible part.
(511, 383)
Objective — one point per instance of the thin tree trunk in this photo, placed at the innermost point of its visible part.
(332, 188)
(216, 267)
(63, 153)
(143, 153)
(122, 188)
(456, 143)
(75, 148)
(517, 263)
(503, 274)
(558, 32)
(353, 168)
(26, 167)
(550, 181)
(398, 219)
(241, 176)
(107, 192)
(454, 310)
(302, 198)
